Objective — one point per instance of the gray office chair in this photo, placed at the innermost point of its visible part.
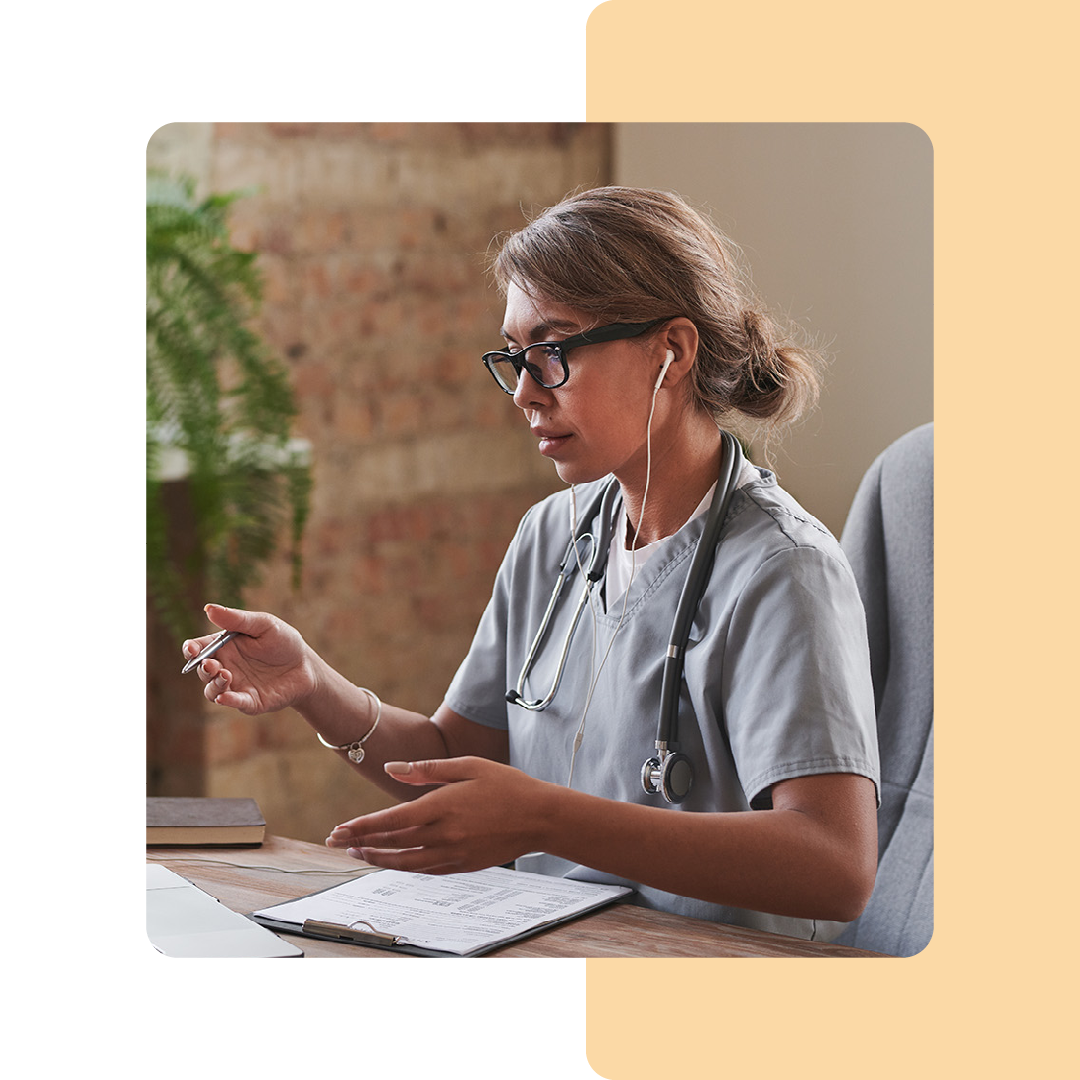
(889, 540)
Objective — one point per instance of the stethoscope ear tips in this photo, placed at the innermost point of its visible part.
(672, 777)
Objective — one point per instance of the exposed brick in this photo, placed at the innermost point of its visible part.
(292, 130)
(373, 241)
(230, 737)
(391, 133)
(232, 132)
(281, 326)
(281, 730)
(276, 272)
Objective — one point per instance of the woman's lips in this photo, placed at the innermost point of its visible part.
(549, 441)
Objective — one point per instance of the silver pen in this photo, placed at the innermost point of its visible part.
(222, 639)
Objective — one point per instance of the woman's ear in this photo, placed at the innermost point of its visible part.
(679, 339)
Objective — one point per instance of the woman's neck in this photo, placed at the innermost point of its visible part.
(682, 471)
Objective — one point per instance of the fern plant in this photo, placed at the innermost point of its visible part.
(217, 396)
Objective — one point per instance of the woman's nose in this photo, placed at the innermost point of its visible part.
(529, 392)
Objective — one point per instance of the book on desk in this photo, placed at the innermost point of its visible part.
(200, 822)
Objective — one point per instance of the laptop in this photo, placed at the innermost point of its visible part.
(182, 920)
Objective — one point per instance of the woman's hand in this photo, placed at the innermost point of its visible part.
(268, 668)
(482, 814)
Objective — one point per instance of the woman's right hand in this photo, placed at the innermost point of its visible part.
(269, 667)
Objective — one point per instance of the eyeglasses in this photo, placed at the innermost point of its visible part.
(546, 360)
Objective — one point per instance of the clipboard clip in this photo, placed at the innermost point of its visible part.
(340, 932)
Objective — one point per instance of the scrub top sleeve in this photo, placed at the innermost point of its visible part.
(478, 690)
(797, 665)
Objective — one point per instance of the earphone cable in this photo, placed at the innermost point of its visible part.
(594, 673)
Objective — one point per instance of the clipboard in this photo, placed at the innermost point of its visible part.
(478, 911)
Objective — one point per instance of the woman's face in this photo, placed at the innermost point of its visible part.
(595, 423)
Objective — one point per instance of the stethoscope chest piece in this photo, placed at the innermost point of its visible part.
(671, 774)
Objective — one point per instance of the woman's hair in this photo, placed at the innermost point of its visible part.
(632, 255)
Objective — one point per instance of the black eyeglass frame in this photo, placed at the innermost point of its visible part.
(596, 336)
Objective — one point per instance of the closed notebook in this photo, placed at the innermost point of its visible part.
(188, 822)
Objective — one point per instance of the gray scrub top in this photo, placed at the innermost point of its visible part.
(776, 681)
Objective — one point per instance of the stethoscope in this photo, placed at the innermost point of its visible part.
(667, 771)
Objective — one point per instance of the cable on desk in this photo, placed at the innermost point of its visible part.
(358, 872)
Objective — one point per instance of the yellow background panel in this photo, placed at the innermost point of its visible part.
(990, 85)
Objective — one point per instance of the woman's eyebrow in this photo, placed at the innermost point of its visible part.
(541, 331)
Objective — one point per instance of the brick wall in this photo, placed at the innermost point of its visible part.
(372, 240)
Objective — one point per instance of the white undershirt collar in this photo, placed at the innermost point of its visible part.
(623, 563)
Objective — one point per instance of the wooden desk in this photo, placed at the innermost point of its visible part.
(624, 930)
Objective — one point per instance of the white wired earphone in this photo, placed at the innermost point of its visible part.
(594, 674)
(669, 359)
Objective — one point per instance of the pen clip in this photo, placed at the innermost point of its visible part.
(339, 932)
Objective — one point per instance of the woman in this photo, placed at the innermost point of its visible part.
(663, 345)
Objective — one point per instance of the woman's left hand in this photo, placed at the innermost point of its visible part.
(481, 814)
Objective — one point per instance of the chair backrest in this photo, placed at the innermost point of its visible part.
(889, 540)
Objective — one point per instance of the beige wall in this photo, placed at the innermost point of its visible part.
(836, 223)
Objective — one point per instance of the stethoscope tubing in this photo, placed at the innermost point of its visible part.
(692, 592)
(597, 561)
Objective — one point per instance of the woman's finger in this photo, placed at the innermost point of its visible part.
(416, 836)
(217, 686)
(249, 623)
(437, 771)
(394, 821)
(232, 699)
(194, 646)
(208, 669)
(416, 860)
(222, 680)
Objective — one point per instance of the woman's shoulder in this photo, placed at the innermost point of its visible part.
(772, 545)
(776, 521)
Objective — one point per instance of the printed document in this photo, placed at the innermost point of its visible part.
(452, 913)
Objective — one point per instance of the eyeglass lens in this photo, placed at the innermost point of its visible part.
(543, 362)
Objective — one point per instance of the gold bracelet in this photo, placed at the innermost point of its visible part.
(356, 749)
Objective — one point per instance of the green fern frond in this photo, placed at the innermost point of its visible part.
(218, 395)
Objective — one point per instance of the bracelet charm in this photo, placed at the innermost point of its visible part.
(355, 749)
